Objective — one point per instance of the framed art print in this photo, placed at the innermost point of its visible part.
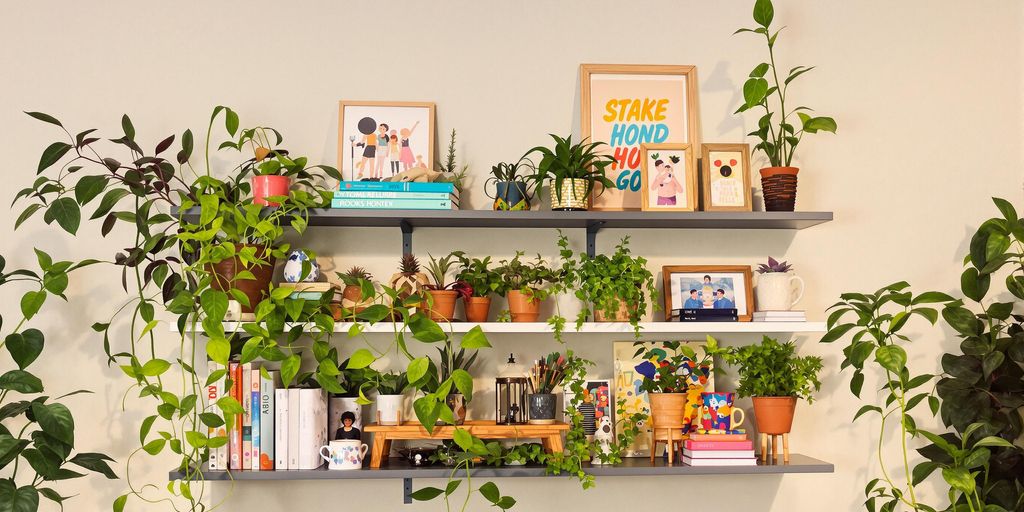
(379, 139)
(626, 106)
(709, 287)
(725, 175)
(668, 178)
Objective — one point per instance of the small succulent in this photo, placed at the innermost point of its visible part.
(774, 266)
(409, 264)
(358, 273)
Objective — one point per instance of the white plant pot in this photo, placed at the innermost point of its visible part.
(338, 406)
(778, 291)
(391, 409)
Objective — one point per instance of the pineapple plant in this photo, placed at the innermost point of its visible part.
(410, 279)
(359, 291)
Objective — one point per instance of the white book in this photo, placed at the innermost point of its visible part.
(718, 454)
(280, 428)
(255, 407)
(267, 441)
(689, 461)
(312, 433)
(247, 416)
(293, 429)
(780, 314)
(218, 456)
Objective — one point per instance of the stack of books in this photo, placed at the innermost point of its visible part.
(308, 291)
(779, 316)
(719, 449)
(396, 195)
(707, 315)
(281, 429)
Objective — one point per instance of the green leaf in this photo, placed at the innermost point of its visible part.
(46, 118)
(451, 487)
(52, 154)
(1009, 213)
(426, 493)
(865, 409)
(231, 121)
(417, 369)
(25, 347)
(836, 333)
(214, 304)
(856, 383)
(209, 205)
(55, 419)
(994, 441)
(10, 447)
(290, 368)
(155, 367)
(490, 492)
(991, 362)
(754, 91)
(147, 424)
(462, 438)
(108, 202)
(360, 359)
(959, 478)
(21, 381)
(816, 124)
(219, 349)
(155, 446)
(463, 382)
(475, 339)
(427, 411)
(29, 211)
(96, 462)
(230, 406)
(66, 212)
(425, 329)
(18, 499)
(759, 70)
(119, 503)
(931, 297)
(922, 470)
(892, 358)
(764, 12)
(89, 187)
(31, 302)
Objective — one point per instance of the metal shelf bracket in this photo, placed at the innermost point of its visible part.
(592, 228)
(406, 237)
(407, 491)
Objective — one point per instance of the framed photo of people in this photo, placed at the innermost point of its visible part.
(725, 175)
(626, 106)
(379, 139)
(668, 178)
(709, 287)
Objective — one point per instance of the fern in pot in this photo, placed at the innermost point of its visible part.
(573, 171)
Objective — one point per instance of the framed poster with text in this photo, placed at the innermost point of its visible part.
(628, 105)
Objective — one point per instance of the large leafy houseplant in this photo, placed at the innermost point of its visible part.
(609, 285)
(771, 368)
(573, 170)
(37, 432)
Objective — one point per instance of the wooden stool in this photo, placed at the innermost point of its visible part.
(672, 436)
(772, 449)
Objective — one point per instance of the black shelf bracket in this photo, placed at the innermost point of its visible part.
(407, 491)
(406, 236)
(592, 228)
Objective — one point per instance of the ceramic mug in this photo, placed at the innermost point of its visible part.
(718, 412)
(344, 454)
(776, 290)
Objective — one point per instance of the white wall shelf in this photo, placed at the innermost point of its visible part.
(595, 327)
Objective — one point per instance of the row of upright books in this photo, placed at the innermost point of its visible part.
(719, 448)
(395, 195)
(280, 428)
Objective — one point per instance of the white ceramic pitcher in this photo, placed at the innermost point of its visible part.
(776, 291)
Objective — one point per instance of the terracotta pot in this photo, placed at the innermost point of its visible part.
(667, 409)
(336, 311)
(621, 315)
(457, 403)
(477, 308)
(443, 308)
(352, 298)
(224, 273)
(269, 185)
(574, 195)
(522, 308)
(774, 414)
(778, 186)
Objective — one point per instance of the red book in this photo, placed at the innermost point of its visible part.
(718, 437)
(235, 434)
(720, 445)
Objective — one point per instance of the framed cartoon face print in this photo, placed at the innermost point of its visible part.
(725, 176)
(668, 178)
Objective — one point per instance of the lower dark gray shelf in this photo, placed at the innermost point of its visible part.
(638, 466)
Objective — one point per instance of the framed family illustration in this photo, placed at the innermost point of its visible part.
(627, 106)
(709, 287)
(668, 178)
(725, 174)
(379, 139)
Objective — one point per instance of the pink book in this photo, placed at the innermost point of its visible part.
(720, 445)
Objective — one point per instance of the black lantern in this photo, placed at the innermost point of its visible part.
(510, 390)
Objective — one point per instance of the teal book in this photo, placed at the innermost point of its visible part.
(372, 194)
(396, 186)
(394, 204)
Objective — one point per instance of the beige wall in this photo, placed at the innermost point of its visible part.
(927, 95)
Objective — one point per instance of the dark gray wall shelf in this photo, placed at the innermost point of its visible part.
(592, 221)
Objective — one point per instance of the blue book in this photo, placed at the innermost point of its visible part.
(394, 204)
(396, 186)
(374, 194)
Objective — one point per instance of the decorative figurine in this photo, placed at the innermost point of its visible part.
(293, 267)
(347, 431)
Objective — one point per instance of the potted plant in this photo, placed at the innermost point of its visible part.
(409, 280)
(611, 287)
(444, 293)
(390, 387)
(511, 185)
(273, 171)
(775, 286)
(775, 377)
(355, 383)
(524, 283)
(449, 362)
(358, 292)
(776, 132)
(546, 374)
(572, 171)
(481, 281)
(674, 378)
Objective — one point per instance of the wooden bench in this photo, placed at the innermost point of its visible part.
(550, 436)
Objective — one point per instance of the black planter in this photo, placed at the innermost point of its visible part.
(542, 408)
(511, 196)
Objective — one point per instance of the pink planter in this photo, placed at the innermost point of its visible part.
(270, 185)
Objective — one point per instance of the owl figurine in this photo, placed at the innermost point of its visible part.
(293, 268)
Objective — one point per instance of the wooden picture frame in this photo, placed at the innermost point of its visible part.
(712, 154)
(743, 299)
(649, 199)
(410, 115)
(660, 82)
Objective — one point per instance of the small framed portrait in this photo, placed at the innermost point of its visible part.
(725, 176)
(709, 287)
(379, 139)
(668, 178)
